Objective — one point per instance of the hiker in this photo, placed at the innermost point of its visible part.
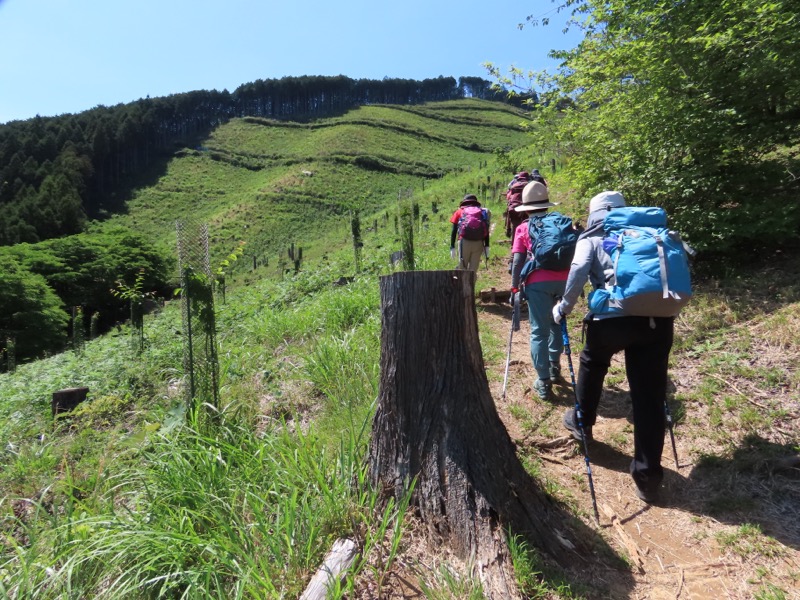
(541, 287)
(536, 176)
(471, 228)
(514, 199)
(646, 342)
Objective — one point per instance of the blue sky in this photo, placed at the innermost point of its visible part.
(66, 56)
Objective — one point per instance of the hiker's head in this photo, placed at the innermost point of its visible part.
(601, 204)
(606, 201)
(535, 197)
(470, 200)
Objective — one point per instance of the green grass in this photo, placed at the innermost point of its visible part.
(125, 499)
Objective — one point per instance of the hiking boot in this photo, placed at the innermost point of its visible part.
(650, 496)
(555, 372)
(543, 388)
(571, 425)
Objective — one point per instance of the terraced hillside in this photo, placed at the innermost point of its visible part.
(262, 181)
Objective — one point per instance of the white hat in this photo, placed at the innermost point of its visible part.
(607, 201)
(534, 197)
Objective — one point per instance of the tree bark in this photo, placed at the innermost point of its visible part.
(436, 421)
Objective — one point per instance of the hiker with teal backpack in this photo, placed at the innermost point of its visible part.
(639, 273)
(471, 229)
(542, 252)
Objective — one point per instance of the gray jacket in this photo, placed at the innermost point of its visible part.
(590, 262)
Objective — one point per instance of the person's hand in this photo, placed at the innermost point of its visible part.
(514, 297)
(486, 251)
(557, 314)
(453, 253)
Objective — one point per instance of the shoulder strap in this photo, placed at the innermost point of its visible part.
(596, 229)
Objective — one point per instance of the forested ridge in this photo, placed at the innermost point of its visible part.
(58, 172)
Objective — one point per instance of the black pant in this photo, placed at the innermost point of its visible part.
(647, 342)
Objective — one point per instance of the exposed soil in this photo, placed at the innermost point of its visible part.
(727, 522)
(676, 548)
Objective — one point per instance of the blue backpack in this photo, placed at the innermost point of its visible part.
(651, 265)
(553, 239)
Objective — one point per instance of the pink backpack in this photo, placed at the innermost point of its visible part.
(474, 223)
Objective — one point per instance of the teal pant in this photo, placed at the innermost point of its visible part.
(546, 341)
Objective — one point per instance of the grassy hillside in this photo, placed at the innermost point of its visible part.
(247, 179)
(123, 482)
(125, 499)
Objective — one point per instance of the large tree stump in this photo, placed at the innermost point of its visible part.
(436, 421)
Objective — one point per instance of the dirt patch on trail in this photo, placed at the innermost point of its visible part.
(726, 525)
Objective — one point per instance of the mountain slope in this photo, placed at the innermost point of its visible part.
(262, 181)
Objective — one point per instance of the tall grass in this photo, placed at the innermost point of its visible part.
(223, 513)
(124, 499)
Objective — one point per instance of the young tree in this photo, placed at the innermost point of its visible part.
(30, 311)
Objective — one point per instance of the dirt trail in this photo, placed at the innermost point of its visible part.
(673, 549)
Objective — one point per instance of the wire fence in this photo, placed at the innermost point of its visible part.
(200, 361)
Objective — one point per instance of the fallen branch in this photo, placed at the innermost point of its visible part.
(336, 562)
(633, 548)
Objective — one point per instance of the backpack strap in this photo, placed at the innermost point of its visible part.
(613, 280)
(662, 266)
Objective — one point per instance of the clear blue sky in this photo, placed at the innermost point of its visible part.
(66, 56)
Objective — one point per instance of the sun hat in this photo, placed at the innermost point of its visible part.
(470, 200)
(606, 201)
(534, 197)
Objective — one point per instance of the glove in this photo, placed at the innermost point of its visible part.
(557, 314)
(453, 253)
(515, 296)
(486, 252)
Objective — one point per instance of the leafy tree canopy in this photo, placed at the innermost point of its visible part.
(684, 105)
(80, 270)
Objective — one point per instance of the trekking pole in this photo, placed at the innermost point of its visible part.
(579, 417)
(514, 327)
(671, 433)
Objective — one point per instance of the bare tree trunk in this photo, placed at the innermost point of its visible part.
(436, 421)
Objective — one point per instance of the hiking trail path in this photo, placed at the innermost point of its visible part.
(672, 547)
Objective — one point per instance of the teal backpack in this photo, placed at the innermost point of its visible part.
(553, 240)
(651, 265)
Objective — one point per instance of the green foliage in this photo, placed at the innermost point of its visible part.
(30, 312)
(528, 572)
(225, 266)
(78, 270)
(681, 106)
(135, 296)
(131, 500)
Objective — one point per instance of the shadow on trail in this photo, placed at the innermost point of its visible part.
(758, 484)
